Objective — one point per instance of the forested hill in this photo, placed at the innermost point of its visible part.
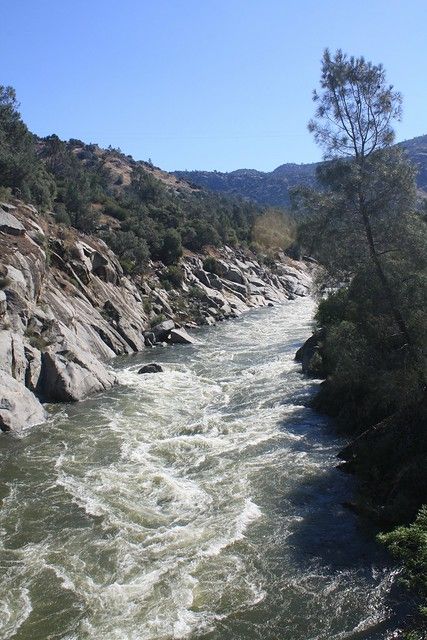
(272, 188)
(140, 211)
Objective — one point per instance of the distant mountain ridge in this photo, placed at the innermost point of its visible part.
(272, 188)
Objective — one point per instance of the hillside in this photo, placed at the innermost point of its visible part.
(140, 211)
(272, 188)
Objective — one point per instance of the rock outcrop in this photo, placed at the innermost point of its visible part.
(310, 355)
(19, 407)
(67, 308)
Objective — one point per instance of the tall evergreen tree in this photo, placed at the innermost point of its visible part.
(355, 109)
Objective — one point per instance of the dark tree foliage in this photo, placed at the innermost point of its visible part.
(369, 232)
(20, 168)
(353, 121)
(140, 216)
(355, 107)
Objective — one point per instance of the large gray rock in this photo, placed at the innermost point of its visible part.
(71, 375)
(19, 408)
(163, 329)
(208, 279)
(12, 355)
(235, 275)
(235, 286)
(104, 268)
(11, 225)
(180, 336)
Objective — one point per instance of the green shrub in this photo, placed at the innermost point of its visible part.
(173, 275)
(334, 308)
(148, 305)
(171, 249)
(5, 193)
(409, 545)
(61, 214)
(213, 266)
(114, 210)
(197, 293)
(157, 320)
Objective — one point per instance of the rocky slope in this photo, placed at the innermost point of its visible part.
(66, 307)
(272, 188)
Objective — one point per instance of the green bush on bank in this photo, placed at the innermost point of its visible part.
(409, 545)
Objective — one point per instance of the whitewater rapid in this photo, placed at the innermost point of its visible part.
(201, 502)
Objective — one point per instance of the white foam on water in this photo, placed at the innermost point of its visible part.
(166, 474)
(15, 608)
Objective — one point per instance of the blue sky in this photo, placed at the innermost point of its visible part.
(201, 84)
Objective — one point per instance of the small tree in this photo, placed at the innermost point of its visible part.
(171, 249)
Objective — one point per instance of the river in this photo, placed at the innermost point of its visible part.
(200, 503)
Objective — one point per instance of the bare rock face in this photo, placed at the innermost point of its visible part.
(3, 303)
(19, 407)
(66, 307)
(33, 369)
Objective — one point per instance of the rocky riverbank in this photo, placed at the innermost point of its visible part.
(67, 308)
(388, 456)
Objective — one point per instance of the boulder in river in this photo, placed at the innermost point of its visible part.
(149, 338)
(163, 329)
(151, 368)
(180, 336)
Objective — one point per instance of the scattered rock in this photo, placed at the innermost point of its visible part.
(9, 207)
(151, 368)
(60, 319)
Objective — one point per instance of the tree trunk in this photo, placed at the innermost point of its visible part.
(398, 318)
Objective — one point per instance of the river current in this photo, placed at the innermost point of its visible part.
(199, 503)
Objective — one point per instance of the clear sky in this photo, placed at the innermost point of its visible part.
(201, 84)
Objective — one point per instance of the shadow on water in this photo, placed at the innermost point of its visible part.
(327, 534)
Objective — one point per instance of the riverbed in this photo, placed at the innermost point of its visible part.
(202, 502)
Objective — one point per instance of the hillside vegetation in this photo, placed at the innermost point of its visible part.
(141, 211)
